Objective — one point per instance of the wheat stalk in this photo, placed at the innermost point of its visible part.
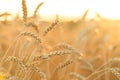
(88, 64)
(34, 26)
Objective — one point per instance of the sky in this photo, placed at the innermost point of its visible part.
(68, 9)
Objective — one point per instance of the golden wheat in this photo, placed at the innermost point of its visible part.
(85, 15)
(115, 72)
(69, 47)
(64, 64)
(24, 8)
(36, 37)
(53, 53)
(41, 73)
(15, 59)
(37, 8)
(51, 26)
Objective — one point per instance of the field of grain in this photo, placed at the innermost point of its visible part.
(32, 49)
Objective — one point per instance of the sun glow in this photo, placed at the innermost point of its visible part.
(69, 9)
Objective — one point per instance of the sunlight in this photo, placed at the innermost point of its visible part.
(65, 8)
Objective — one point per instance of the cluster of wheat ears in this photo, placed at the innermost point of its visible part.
(54, 53)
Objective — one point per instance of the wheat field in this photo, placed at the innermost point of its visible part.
(31, 49)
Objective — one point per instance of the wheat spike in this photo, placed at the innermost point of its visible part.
(15, 59)
(66, 63)
(59, 53)
(32, 35)
(115, 72)
(85, 14)
(69, 47)
(51, 26)
(53, 53)
(41, 73)
(24, 8)
(43, 56)
(37, 8)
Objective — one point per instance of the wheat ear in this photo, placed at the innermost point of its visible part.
(115, 72)
(37, 8)
(15, 59)
(63, 65)
(41, 73)
(53, 53)
(24, 8)
(85, 14)
(51, 26)
(67, 46)
(36, 37)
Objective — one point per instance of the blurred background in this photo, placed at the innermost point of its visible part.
(67, 9)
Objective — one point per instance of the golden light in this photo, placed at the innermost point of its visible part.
(69, 9)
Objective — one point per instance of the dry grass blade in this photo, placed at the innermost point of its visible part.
(37, 8)
(36, 37)
(24, 7)
(51, 26)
